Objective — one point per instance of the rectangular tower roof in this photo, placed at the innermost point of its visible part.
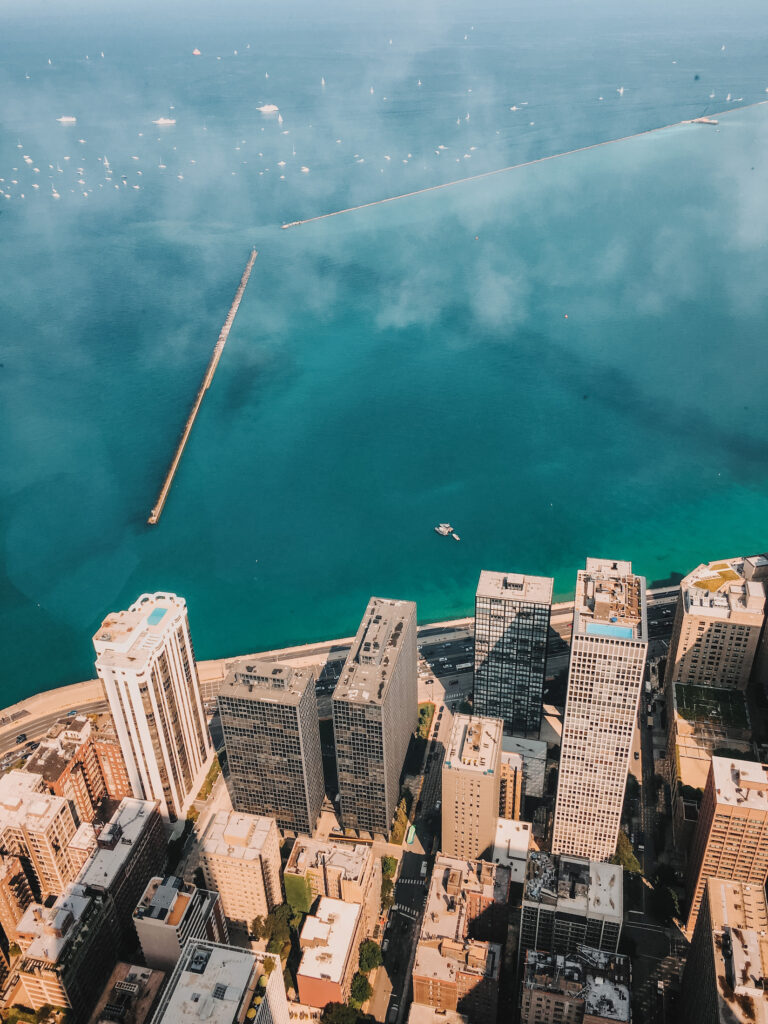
(512, 586)
(368, 669)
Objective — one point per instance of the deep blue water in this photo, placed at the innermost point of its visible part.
(390, 368)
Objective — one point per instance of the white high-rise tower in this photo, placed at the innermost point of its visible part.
(144, 658)
(609, 645)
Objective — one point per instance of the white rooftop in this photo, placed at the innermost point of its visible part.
(610, 601)
(350, 861)
(474, 744)
(237, 836)
(511, 586)
(528, 749)
(130, 638)
(740, 783)
(511, 845)
(53, 927)
(718, 590)
(22, 803)
(209, 983)
(421, 1014)
(121, 833)
(326, 939)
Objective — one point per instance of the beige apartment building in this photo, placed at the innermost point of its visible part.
(240, 859)
(340, 870)
(585, 986)
(15, 895)
(511, 786)
(169, 913)
(719, 617)
(726, 974)
(609, 645)
(41, 827)
(731, 839)
(471, 786)
(329, 940)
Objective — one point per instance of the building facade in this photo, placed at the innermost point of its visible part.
(145, 659)
(471, 786)
(571, 901)
(344, 872)
(584, 987)
(240, 859)
(110, 757)
(222, 985)
(608, 652)
(170, 912)
(42, 829)
(66, 759)
(375, 710)
(731, 838)
(718, 621)
(511, 628)
(511, 786)
(15, 895)
(726, 974)
(271, 731)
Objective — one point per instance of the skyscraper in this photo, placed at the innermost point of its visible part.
(269, 720)
(144, 658)
(719, 616)
(471, 782)
(608, 651)
(374, 714)
(731, 839)
(511, 627)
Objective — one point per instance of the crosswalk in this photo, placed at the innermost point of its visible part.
(410, 881)
(407, 911)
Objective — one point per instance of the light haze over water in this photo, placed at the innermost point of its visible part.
(392, 368)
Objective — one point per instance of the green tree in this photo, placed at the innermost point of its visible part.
(369, 955)
(340, 1013)
(387, 894)
(360, 990)
(388, 867)
(625, 855)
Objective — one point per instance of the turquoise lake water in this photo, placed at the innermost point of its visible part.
(562, 361)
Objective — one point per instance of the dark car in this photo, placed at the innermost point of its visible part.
(21, 738)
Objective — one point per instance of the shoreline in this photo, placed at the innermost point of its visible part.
(88, 695)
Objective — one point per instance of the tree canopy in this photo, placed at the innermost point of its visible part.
(369, 955)
(360, 990)
(625, 855)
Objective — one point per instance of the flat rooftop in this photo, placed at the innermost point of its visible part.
(133, 987)
(445, 959)
(237, 836)
(530, 750)
(610, 601)
(511, 586)
(740, 949)
(574, 885)
(51, 929)
(453, 880)
(22, 803)
(326, 939)
(210, 983)
(420, 1014)
(60, 745)
(128, 639)
(474, 744)
(602, 980)
(719, 590)
(166, 900)
(740, 783)
(116, 843)
(511, 846)
(368, 669)
(266, 681)
(350, 861)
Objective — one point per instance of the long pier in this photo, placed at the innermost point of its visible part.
(162, 497)
(517, 167)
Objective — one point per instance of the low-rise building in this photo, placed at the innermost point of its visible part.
(511, 847)
(170, 912)
(726, 974)
(40, 827)
(15, 895)
(330, 939)
(421, 1014)
(583, 987)
(69, 950)
(66, 759)
(240, 859)
(221, 985)
(130, 995)
(570, 901)
(130, 850)
(340, 870)
(458, 957)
